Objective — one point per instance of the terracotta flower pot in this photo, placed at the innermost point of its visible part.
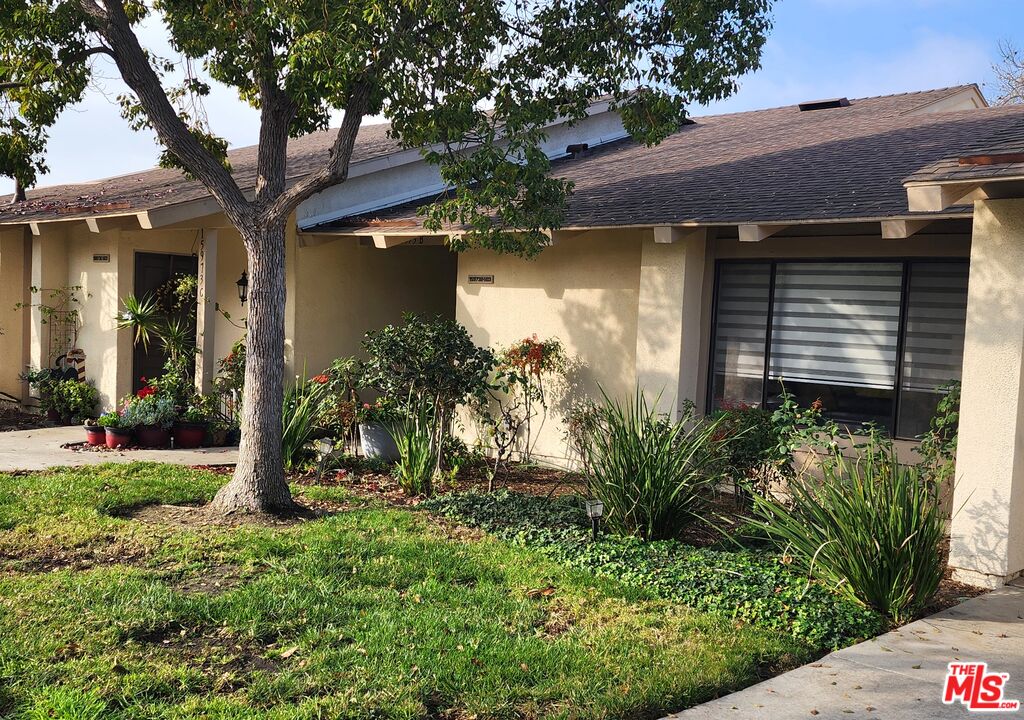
(95, 435)
(153, 436)
(189, 435)
(118, 437)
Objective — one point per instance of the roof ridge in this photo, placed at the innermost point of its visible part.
(950, 90)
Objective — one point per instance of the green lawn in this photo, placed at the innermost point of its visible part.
(371, 612)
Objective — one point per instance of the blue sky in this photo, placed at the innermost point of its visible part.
(817, 49)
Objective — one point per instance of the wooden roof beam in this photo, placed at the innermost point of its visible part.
(902, 229)
(759, 232)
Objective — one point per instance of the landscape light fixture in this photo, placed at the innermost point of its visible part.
(324, 448)
(243, 287)
(595, 509)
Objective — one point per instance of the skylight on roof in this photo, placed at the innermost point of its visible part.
(823, 104)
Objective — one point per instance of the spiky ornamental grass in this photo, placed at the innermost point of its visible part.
(652, 474)
(871, 526)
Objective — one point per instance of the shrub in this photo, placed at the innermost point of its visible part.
(73, 399)
(748, 586)
(938, 445)
(433, 361)
(871, 527)
(337, 411)
(651, 474)
(414, 470)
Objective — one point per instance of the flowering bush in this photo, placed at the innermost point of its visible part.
(152, 409)
(535, 357)
(382, 412)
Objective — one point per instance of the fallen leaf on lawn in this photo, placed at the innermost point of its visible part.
(540, 592)
(290, 651)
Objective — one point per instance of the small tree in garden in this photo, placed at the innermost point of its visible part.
(473, 82)
(526, 367)
(432, 362)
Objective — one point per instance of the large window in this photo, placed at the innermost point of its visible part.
(874, 341)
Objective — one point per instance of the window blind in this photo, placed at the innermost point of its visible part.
(742, 324)
(933, 347)
(836, 323)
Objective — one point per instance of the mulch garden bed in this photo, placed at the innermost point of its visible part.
(13, 418)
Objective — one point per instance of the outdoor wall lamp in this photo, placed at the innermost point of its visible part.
(595, 509)
(243, 287)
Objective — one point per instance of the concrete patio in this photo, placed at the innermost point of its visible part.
(896, 676)
(41, 449)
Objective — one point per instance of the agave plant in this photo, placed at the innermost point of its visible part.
(652, 474)
(142, 317)
(413, 433)
(298, 419)
(871, 527)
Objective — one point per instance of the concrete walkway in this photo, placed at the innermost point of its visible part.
(41, 449)
(899, 675)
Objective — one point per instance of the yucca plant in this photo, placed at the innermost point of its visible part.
(298, 419)
(871, 527)
(412, 433)
(652, 474)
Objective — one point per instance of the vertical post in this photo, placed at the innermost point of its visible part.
(49, 273)
(670, 305)
(13, 290)
(987, 532)
(206, 312)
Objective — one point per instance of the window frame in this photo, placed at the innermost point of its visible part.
(907, 263)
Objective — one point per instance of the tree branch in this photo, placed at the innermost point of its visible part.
(138, 74)
(336, 169)
(78, 57)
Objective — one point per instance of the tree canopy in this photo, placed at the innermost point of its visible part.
(450, 75)
(472, 83)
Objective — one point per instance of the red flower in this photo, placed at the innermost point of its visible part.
(146, 391)
(320, 379)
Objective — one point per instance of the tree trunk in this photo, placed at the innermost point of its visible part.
(259, 483)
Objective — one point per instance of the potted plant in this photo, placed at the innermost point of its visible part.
(374, 436)
(151, 415)
(95, 434)
(42, 382)
(117, 435)
(190, 429)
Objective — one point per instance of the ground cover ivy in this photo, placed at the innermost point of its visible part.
(748, 585)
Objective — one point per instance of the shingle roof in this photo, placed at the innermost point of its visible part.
(157, 188)
(773, 165)
(980, 160)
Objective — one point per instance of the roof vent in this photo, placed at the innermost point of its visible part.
(823, 104)
(576, 149)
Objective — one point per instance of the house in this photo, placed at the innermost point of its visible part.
(862, 251)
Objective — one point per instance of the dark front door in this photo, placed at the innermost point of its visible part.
(153, 274)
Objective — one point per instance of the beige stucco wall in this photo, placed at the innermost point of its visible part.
(342, 288)
(583, 290)
(635, 311)
(988, 530)
(15, 253)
